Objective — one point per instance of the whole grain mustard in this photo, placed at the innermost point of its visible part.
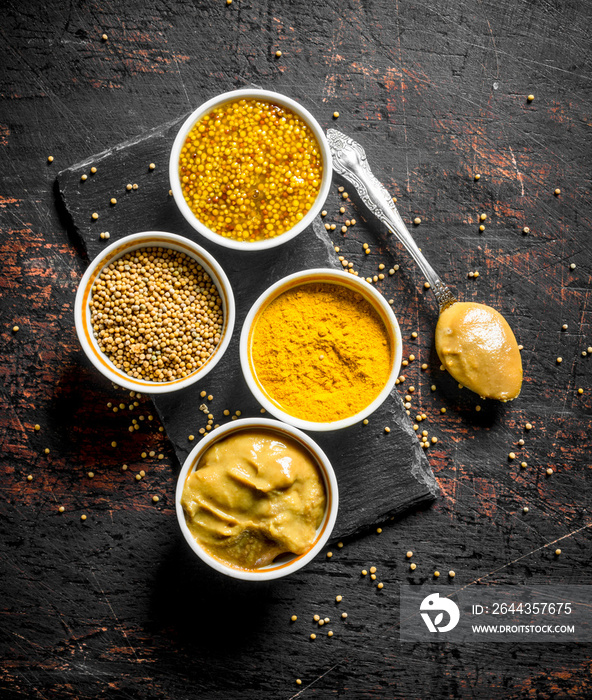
(250, 170)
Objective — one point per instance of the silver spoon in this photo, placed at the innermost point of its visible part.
(349, 160)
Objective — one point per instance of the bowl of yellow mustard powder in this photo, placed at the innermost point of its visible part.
(256, 499)
(154, 312)
(250, 169)
(321, 349)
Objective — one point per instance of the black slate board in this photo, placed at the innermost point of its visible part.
(379, 475)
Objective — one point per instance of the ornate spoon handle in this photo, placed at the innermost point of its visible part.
(349, 160)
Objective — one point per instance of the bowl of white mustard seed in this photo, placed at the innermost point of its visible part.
(154, 312)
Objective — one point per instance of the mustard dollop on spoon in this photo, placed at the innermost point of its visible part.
(474, 342)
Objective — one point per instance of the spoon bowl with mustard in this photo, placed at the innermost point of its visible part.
(474, 341)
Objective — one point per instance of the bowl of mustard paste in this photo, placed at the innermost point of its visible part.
(256, 499)
(321, 349)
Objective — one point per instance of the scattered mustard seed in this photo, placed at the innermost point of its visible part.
(83, 517)
(557, 192)
(557, 552)
(417, 221)
(365, 421)
(549, 471)
(91, 475)
(83, 177)
(104, 37)
(294, 618)
(50, 159)
(152, 166)
(191, 438)
(30, 478)
(436, 574)
(387, 429)
(340, 545)
(559, 360)
(528, 426)
(298, 681)
(523, 465)
(46, 450)
(313, 636)
(278, 53)
(61, 509)
(378, 530)
(525, 230)
(329, 555)
(335, 115)
(580, 391)
(94, 216)
(321, 623)
(329, 633)
(155, 499)
(373, 577)
(413, 566)
(511, 456)
(344, 616)
(128, 187)
(364, 572)
(521, 442)
(452, 574)
(93, 170)
(379, 585)
(372, 569)
(483, 217)
(338, 599)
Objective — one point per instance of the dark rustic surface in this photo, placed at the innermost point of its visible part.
(401, 476)
(115, 607)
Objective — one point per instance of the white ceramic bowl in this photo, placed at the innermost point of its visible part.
(305, 277)
(289, 563)
(115, 251)
(233, 96)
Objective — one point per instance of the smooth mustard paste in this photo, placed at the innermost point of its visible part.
(254, 496)
(476, 345)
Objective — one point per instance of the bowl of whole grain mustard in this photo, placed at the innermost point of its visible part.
(256, 499)
(250, 169)
(154, 312)
(321, 349)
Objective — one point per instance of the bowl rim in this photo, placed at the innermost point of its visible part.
(323, 531)
(116, 250)
(232, 96)
(308, 277)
